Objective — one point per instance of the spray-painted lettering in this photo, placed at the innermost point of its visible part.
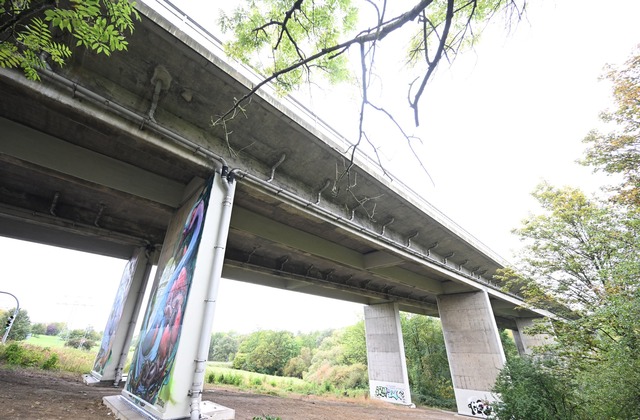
(479, 407)
(390, 393)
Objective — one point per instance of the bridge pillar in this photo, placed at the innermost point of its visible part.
(166, 376)
(120, 326)
(388, 378)
(474, 349)
(527, 342)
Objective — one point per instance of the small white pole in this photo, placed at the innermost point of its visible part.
(15, 314)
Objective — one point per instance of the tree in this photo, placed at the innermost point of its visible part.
(55, 328)
(286, 40)
(266, 352)
(82, 339)
(572, 247)
(21, 326)
(618, 152)
(583, 255)
(530, 390)
(291, 41)
(427, 363)
(223, 346)
(341, 360)
(354, 342)
(34, 33)
(39, 329)
(297, 366)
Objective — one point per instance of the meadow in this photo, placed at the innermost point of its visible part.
(50, 353)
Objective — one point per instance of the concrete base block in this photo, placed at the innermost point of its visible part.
(474, 403)
(91, 380)
(213, 411)
(122, 409)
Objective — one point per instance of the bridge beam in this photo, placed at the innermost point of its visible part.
(388, 377)
(474, 349)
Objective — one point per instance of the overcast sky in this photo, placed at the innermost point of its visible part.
(506, 116)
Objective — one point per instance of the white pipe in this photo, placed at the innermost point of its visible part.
(352, 225)
(142, 121)
(227, 181)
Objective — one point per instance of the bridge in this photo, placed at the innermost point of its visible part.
(108, 155)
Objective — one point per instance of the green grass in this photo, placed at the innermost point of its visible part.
(54, 356)
(50, 353)
(221, 374)
(45, 341)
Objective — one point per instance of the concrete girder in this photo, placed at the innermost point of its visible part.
(57, 155)
(277, 232)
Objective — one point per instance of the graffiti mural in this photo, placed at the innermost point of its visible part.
(479, 407)
(151, 367)
(390, 393)
(106, 347)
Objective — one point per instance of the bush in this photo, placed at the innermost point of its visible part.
(29, 356)
(341, 376)
(530, 390)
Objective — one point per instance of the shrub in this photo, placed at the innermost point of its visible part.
(529, 390)
(29, 356)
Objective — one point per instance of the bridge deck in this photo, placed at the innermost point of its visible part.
(82, 165)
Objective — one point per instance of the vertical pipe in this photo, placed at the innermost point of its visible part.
(210, 301)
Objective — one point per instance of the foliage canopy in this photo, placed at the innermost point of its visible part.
(21, 326)
(618, 152)
(582, 259)
(36, 32)
(289, 40)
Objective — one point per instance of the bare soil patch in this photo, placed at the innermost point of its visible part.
(35, 394)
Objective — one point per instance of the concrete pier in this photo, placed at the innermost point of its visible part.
(119, 329)
(526, 342)
(388, 378)
(474, 349)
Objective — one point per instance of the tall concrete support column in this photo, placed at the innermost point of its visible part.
(527, 342)
(122, 320)
(388, 378)
(474, 349)
(166, 376)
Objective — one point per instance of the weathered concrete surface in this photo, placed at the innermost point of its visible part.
(84, 166)
(388, 378)
(527, 342)
(473, 344)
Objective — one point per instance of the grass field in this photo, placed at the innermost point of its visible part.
(222, 373)
(39, 351)
(45, 341)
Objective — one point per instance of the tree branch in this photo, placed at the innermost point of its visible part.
(432, 66)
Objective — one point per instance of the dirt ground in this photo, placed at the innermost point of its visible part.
(32, 394)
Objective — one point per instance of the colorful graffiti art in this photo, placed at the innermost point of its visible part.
(104, 354)
(390, 393)
(150, 371)
(479, 407)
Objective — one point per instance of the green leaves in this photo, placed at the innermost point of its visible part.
(618, 152)
(98, 25)
(273, 35)
(583, 256)
(266, 352)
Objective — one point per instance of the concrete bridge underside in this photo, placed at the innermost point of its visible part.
(102, 156)
(84, 164)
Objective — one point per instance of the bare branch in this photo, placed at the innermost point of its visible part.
(432, 66)
(377, 33)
